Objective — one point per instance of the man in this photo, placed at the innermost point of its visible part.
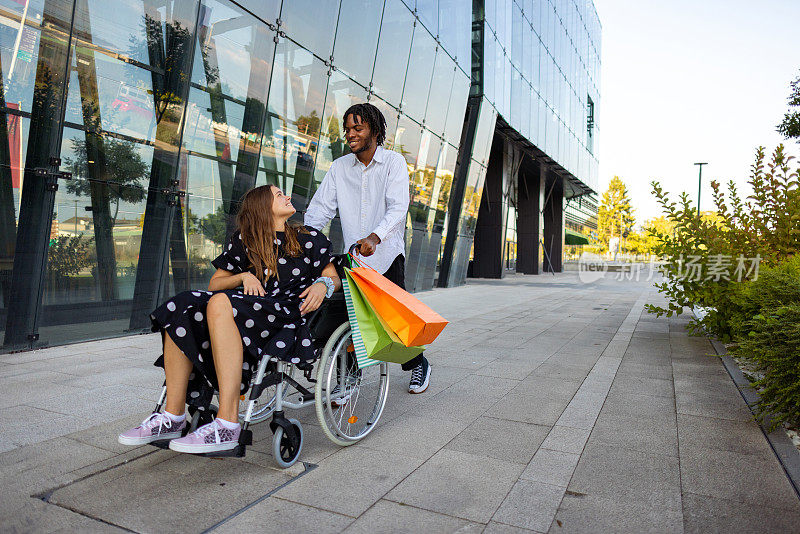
(370, 189)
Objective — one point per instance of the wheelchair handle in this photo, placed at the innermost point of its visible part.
(354, 247)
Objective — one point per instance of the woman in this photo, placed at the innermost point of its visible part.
(268, 277)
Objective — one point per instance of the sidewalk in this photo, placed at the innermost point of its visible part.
(554, 406)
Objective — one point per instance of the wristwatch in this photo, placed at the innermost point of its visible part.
(328, 283)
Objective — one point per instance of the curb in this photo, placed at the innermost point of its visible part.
(785, 451)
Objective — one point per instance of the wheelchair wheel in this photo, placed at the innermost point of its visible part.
(349, 401)
(284, 450)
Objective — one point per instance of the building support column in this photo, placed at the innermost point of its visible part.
(554, 223)
(530, 220)
(488, 245)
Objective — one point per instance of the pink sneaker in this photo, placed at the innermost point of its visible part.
(157, 427)
(212, 437)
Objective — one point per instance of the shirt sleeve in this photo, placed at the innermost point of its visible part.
(233, 257)
(321, 254)
(397, 199)
(322, 207)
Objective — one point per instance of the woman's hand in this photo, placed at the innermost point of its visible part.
(313, 297)
(252, 285)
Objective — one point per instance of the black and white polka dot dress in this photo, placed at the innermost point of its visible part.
(269, 325)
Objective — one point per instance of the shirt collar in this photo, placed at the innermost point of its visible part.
(378, 157)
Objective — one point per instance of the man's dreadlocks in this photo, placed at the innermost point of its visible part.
(372, 116)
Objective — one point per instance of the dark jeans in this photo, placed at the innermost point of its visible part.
(397, 275)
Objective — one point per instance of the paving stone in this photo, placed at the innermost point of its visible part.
(701, 403)
(279, 515)
(530, 505)
(413, 436)
(551, 467)
(722, 434)
(554, 369)
(633, 405)
(707, 514)
(375, 471)
(643, 386)
(548, 387)
(388, 516)
(37, 516)
(494, 527)
(528, 409)
(645, 370)
(591, 514)
(198, 499)
(566, 439)
(648, 435)
(614, 472)
(497, 438)
(482, 483)
(738, 477)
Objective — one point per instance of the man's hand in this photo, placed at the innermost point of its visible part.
(368, 244)
(312, 297)
(252, 285)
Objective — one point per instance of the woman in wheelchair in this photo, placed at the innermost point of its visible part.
(269, 276)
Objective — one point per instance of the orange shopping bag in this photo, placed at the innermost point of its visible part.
(412, 321)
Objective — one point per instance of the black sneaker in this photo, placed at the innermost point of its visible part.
(420, 377)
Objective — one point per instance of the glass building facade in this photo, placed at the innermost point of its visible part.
(536, 66)
(131, 129)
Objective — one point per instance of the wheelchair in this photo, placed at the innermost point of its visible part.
(348, 401)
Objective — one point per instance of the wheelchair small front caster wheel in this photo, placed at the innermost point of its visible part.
(285, 449)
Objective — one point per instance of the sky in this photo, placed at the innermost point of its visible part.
(692, 81)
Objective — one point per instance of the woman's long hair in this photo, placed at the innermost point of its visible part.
(257, 227)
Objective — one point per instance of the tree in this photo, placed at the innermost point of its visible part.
(790, 125)
(213, 225)
(126, 169)
(615, 216)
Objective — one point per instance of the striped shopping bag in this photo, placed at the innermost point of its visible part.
(361, 351)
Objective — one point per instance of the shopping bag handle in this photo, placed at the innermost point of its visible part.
(353, 258)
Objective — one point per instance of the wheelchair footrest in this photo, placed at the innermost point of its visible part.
(246, 437)
(236, 452)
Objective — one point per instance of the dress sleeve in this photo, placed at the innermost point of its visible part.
(320, 252)
(233, 257)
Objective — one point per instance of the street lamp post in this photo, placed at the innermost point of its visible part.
(699, 184)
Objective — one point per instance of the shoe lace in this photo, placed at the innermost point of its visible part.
(157, 419)
(416, 374)
(205, 430)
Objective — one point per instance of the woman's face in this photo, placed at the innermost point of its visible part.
(281, 204)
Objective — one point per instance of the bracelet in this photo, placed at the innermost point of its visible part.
(328, 284)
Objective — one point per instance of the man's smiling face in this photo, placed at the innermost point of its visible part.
(358, 134)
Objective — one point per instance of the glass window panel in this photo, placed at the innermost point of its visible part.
(355, 46)
(296, 99)
(490, 12)
(455, 29)
(394, 46)
(420, 72)
(428, 13)
(425, 191)
(267, 10)
(517, 24)
(516, 99)
(116, 90)
(456, 108)
(312, 24)
(342, 93)
(441, 87)
(489, 67)
(390, 114)
(407, 140)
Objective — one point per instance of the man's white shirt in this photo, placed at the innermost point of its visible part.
(372, 198)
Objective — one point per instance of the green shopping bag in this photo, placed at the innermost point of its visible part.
(379, 341)
(358, 344)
